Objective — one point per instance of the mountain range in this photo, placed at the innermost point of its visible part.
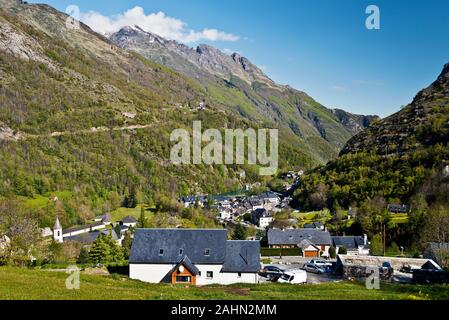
(90, 116)
(249, 90)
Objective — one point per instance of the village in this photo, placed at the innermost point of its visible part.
(296, 254)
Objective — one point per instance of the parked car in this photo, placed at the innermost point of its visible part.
(321, 263)
(272, 272)
(386, 266)
(293, 277)
(310, 267)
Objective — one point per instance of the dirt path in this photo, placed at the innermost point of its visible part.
(16, 136)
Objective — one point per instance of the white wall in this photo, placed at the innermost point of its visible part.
(265, 222)
(154, 273)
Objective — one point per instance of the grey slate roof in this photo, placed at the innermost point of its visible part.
(189, 265)
(148, 242)
(235, 256)
(57, 224)
(314, 225)
(90, 237)
(129, 219)
(304, 244)
(295, 236)
(242, 256)
(268, 195)
(86, 227)
(349, 242)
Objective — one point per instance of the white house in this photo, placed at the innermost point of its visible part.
(294, 238)
(191, 201)
(71, 232)
(82, 234)
(262, 218)
(354, 245)
(225, 213)
(46, 232)
(192, 256)
(129, 221)
(270, 197)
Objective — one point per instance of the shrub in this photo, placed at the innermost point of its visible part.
(342, 250)
(271, 252)
(332, 252)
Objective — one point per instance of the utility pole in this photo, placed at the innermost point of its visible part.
(385, 239)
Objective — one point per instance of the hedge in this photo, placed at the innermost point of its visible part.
(272, 252)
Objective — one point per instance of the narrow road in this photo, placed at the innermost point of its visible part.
(16, 136)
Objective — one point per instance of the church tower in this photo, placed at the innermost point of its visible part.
(57, 232)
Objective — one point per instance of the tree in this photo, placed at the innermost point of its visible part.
(394, 249)
(377, 245)
(83, 257)
(126, 245)
(142, 221)
(130, 200)
(435, 225)
(342, 250)
(105, 250)
(21, 228)
(100, 251)
(332, 252)
(239, 232)
(117, 229)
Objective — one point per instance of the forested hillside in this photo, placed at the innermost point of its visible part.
(63, 93)
(402, 159)
(86, 120)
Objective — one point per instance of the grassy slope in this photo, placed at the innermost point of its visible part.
(121, 213)
(28, 284)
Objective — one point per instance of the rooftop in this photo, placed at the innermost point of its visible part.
(296, 236)
(199, 246)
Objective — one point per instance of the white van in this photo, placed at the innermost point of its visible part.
(294, 277)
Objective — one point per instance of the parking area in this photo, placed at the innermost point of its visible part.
(295, 263)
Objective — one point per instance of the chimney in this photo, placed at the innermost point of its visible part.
(365, 239)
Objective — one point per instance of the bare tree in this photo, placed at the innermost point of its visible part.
(436, 225)
(22, 229)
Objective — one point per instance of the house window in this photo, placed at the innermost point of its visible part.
(239, 275)
(181, 252)
(207, 252)
(183, 279)
(199, 273)
(210, 274)
(161, 252)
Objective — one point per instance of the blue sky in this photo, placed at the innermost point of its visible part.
(321, 47)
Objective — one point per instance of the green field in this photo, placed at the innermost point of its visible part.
(28, 284)
(120, 213)
(310, 217)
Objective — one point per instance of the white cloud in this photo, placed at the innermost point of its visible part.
(158, 23)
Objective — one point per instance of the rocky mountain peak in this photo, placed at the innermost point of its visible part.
(445, 72)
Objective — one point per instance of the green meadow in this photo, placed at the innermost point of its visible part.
(31, 284)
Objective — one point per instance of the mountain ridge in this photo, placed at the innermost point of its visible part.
(293, 109)
(400, 159)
